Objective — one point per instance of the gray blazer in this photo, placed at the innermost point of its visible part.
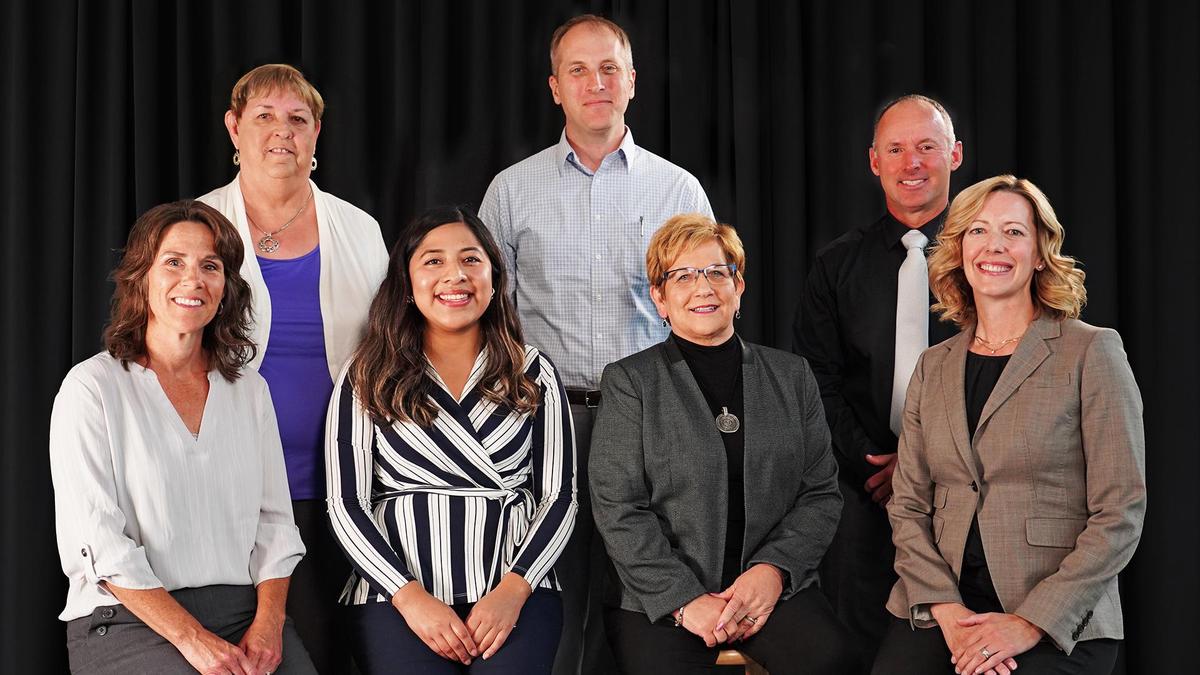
(1055, 473)
(659, 477)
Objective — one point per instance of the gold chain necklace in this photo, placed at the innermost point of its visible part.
(994, 347)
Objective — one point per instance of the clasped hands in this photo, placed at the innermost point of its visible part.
(738, 612)
(485, 630)
(968, 634)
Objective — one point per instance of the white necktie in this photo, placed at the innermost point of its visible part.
(912, 319)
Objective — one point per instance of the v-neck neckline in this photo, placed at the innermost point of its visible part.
(472, 379)
(177, 422)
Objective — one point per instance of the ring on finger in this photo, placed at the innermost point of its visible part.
(985, 653)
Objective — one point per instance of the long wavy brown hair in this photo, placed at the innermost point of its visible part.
(387, 370)
(227, 337)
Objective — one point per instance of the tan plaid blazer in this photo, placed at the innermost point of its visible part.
(1055, 471)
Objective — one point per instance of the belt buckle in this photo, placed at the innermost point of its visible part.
(588, 399)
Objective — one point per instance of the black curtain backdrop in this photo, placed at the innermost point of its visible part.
(108, 108)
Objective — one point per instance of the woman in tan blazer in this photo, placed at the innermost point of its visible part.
(1020, 487)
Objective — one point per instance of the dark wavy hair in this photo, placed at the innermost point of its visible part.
(387, 370)
(227, 336)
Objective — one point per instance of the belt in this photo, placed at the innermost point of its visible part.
(585, 397)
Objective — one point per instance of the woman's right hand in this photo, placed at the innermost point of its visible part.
(210, 655)
(956, 636)
(435, 623)
(700, 617)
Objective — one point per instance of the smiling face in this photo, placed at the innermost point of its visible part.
(1000, 250)
(700, 310)
(186, 282)
(451, 278)
(593, 82)
(913, 155)
(276, 135)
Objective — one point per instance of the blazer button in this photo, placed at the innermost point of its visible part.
(107, 613)
(102, 631)
(974, 487)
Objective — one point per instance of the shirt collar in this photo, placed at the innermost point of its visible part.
(564, 154)
(896, 229)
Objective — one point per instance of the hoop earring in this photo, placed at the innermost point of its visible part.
(666, 322)
(237, 157)
(738, 313)
(409, 299)
(313, 163)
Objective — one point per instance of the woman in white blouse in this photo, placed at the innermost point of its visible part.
(450, 466)
(172, 512)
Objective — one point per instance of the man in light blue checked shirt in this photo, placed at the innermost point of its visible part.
(574, 221)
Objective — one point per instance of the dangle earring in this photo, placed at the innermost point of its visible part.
(237, 157)
(738, 314)
(666, 322)
(313, 163)
(409, 299)
(220, 307)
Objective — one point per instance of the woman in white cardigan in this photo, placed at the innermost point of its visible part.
(313, 263)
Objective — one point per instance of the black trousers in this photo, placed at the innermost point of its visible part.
(383, 643)
(857, 572)
(802, 636)
(923, 652)
(113, 641)
(583, 648)
(313, 593)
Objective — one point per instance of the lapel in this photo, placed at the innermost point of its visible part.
(954, 371)
(1030, 353)
(696, 428)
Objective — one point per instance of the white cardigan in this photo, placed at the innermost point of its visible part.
(353, 264)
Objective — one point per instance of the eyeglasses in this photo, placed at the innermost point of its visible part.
(717, 275)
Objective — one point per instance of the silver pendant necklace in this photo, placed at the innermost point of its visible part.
(268, 243)
(727, 422)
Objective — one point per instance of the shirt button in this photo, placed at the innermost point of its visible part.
(597, 297)
(107, 613)
(102, 631)
(598, 336)
(598, 256)
(83, 552)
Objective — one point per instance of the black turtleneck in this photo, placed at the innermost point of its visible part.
(718, 372)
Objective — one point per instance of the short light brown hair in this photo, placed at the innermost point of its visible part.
(596, 22)
(685, 232)
(275, 77)
(1057, 289)
(227, 336)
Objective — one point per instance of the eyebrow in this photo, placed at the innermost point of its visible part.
(440, 250)
(181, 254)
(302, 109)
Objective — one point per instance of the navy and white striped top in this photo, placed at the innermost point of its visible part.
(482, 492)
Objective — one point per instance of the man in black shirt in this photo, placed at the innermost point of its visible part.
(846, 328)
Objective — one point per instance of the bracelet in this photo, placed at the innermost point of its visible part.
(678, 616)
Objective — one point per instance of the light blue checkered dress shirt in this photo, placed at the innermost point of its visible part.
(575, 244)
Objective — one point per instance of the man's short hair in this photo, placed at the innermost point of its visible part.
(941, 110)
(596, 22)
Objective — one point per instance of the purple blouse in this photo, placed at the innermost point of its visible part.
(296, 370)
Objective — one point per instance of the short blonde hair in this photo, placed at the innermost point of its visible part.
(595, 22)
(1057, 289)
(275, 77)
(685, 232)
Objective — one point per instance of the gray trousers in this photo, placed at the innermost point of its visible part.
(583, 647)
(113, 640)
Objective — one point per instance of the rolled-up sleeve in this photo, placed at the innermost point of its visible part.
(92, 541)
(277, 544)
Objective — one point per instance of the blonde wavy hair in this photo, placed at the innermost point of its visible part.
(1057, 289)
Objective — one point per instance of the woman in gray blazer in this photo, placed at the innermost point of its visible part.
(712, 481)
(1020, 487)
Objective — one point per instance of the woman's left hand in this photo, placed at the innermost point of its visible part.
(494, 617)
(263, 644)
(1003, 636)
(749, 602)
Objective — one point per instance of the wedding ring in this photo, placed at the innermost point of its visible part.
(986, 654)
(752, 619)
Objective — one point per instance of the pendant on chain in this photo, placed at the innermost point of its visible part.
(727, 422)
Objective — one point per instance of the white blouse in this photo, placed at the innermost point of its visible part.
(141, 503)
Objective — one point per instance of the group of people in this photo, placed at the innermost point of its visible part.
(532, 440)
